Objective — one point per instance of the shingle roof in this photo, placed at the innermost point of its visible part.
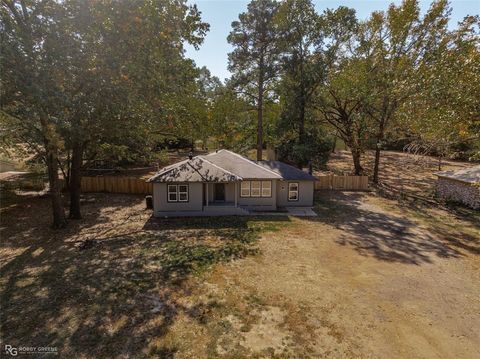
(227, 166)
(468, 175)
(194, 170)
(286, 171)
(240, 166)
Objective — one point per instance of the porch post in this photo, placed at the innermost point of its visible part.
(206, 201)
(236, 193)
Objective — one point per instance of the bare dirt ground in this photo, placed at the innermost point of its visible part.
(400, 170)
(368, 278)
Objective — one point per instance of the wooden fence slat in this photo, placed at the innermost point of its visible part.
(112, 184)
(347, 183)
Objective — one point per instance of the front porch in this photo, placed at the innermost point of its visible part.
(222, 199)
(220, 194)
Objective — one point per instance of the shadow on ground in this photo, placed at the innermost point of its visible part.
(374, 231)
(119, 295)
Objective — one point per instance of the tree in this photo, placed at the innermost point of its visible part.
(254, 60)
(80, 76)
(394, 45)
(303, 70)
(340, 102)
(31, 63)
(340, 98)
(302, 64)
(446, 112)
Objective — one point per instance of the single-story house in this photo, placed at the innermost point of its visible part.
(460, 186)
(226, 183)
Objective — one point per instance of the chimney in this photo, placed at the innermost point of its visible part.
(271, 153)
(190, 155)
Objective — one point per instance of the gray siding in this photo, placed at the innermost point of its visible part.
(160, 204)
(305, 194)
(279, 198)
(259, 203)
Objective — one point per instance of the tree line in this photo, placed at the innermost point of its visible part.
(83, 80)
(397, 75)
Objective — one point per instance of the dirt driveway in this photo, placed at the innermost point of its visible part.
(367, 278)
(366, 281)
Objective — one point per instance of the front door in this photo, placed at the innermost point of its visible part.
(219, 192)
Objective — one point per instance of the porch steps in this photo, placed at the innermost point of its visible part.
(225, 211)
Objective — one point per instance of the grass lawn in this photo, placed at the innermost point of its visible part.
(367, 278)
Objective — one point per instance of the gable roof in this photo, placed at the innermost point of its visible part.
(227, 166)
(240, 166)
(468, 175)
(195, 170)
(286, 171)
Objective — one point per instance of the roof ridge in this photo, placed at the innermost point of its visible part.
(252, 162)
(189, 164)
(223, 169)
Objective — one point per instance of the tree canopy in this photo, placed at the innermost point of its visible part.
(85, 80)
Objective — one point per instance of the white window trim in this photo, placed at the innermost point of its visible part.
(269, 188)
(177, 193)
(293, 191)
(183, 192)
(259, 189)
(246, 186)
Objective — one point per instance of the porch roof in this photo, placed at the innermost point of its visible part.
(197, 169)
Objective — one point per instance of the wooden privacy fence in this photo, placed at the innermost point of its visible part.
(116, 185)
(346, 183)
(134, 185)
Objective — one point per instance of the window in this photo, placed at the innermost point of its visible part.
(183, 193)
(293, 191)
(245, 189)
(177, 193)
(172, 193)
(256, 189)
(266, 189)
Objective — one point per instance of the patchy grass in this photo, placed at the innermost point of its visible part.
(124, 290)
(369, 277)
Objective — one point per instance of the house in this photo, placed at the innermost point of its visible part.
(460, 186)
(226, 183)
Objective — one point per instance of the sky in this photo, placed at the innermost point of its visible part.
(220, 14)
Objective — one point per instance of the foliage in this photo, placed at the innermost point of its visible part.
(254, 60)
(314, 149)
(78, 77)
(444, 117)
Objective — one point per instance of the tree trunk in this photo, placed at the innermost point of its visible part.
(75, 181)
(301, 125)
(334, 144)
(59, 220)
(376, 167)
(260, 114)
(356, 156)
